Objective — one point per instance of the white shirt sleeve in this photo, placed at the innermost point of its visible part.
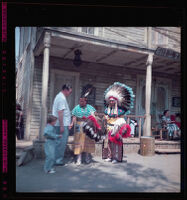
(61, 105)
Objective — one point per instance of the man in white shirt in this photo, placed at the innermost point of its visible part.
(62, 112)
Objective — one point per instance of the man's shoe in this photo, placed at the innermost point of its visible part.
(87, 161)
(108, 160)
(51, 171)
(114, 161)
(78, 163)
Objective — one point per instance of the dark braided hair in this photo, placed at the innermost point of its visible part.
(165, 111)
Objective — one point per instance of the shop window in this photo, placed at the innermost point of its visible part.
(159, 38)
(89, 30)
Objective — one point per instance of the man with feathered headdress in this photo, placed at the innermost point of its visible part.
(118, 99)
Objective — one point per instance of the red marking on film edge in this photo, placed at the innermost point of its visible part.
(4, 21)
(4, 145)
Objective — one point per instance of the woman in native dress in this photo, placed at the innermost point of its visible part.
(118, 100)
(82, 143)
(86, 128)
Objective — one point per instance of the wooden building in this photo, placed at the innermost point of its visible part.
(130, 55)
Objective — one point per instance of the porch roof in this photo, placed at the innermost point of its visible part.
(100, 51)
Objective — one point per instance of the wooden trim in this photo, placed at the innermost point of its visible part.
(139, 127)
(136, 116)
(51, 85)
(91, 39)
(29, 111)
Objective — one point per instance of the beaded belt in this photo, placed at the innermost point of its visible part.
(110, 124)
(80, 120)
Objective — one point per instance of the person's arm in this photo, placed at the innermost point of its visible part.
(49, 133)
(60, 117)
(73, 122)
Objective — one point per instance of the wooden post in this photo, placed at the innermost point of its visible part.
(139, 127)
(147, 123)
(45, 78)
(147, 142)
(28, 118)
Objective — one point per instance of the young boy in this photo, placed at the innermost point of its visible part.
(51, 136)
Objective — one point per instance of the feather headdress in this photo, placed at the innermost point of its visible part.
(122, 94)
(93, 129)
(86, 91)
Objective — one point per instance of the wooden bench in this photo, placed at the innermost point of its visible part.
(159, 130)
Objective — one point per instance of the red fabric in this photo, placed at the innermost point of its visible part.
(125, 127)
(116, 139)
(113, 98)
(94, 121)
(172, 117)
(178, 124)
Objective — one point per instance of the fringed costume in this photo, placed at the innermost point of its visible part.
(82, 143)
(87, 129)
(118, 99)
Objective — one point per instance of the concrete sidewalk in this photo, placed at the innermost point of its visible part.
(160, 173)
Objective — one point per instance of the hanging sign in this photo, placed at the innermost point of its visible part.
(169, 53)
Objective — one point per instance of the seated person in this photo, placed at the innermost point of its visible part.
(170, 126)
(178, 120)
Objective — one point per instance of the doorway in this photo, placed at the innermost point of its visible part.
(58, 79)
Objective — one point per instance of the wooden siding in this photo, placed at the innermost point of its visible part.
(23, 81)
(136, 36)
(36, 99)
(175, 92)
(100, 76)
(128, 35)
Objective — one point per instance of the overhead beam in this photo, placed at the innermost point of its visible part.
(106, 56)
(98, 41)
(143, 58)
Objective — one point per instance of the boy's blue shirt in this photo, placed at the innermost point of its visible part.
(49, 132)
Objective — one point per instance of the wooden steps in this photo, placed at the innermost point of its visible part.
(24, 152)
(167, 151)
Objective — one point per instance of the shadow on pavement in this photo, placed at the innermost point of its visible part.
(95, 177)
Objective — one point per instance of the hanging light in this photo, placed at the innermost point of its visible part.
(77, 59)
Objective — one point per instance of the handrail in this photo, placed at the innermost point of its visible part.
(139, 124)
(139, 121)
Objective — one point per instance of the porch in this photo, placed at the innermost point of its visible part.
(103, 62)
(25, 152)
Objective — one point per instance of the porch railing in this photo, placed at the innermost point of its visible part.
(128, 117)
(139, 122)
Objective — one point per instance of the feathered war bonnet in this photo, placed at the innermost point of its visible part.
(122, 94)
(86, 91)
